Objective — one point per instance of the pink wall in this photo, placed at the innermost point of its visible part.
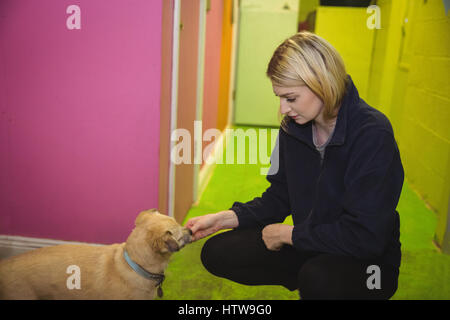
(213, 45)
(79, 117)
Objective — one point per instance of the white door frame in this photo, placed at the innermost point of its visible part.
(174, 102)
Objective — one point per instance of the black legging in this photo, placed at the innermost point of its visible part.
(241, 256)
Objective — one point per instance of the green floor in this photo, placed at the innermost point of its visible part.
(424, 273)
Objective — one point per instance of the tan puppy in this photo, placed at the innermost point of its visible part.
(97, 272)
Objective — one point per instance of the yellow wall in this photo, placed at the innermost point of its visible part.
(403, 70)
(305, 7)
(385, 56)
(410, 81)
(346, 29)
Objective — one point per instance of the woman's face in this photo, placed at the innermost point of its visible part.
(299, 103)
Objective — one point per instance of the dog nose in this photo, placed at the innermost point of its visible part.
(190, 232)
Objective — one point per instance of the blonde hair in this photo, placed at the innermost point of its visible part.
(307, 59)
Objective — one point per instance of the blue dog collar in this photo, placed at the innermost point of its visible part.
(159, 278)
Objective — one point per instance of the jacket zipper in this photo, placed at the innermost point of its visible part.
(317, 183)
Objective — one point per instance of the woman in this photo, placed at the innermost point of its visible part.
(340, 176)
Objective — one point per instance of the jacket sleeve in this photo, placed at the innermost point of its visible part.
(373, 183)
(273, 205)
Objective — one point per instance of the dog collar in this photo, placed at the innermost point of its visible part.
(159, 278)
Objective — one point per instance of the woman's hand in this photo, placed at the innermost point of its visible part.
(277, 235)
(206, 225)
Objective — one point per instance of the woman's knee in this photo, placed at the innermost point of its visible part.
(211, 254)
(312, 280)
(230, 250)
(341, 277)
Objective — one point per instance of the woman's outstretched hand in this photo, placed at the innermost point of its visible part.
(206, 225)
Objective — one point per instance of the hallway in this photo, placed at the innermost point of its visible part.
(424, 272)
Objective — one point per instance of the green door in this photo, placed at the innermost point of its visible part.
(263, 25)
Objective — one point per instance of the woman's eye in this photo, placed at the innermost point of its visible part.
(291, 100)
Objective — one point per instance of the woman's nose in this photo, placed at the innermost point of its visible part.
(284, 108)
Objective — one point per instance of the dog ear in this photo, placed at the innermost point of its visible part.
(143, 214)
(140, 218)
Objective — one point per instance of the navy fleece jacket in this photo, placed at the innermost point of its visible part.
(347, 204)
